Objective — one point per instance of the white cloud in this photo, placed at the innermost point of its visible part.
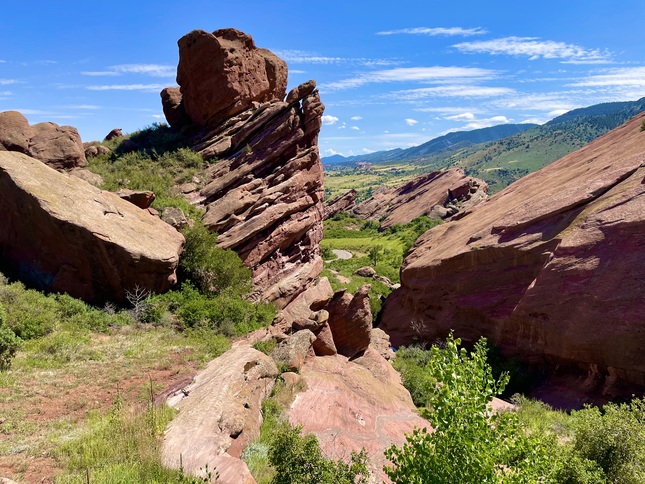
(450, 91)
(158, 116)
(449, 110)
(303, 57)
(154, 70)
(410, 121)
(450, 31)
(356, 118)
(6, 93)
(461, 117)
(626, 76)
(296, 71)
(437, 75)
(128, 87)
(3, 61)
(367, 151)
(550, 101)
(487, 123)
(331, 152)
(6, 82)
(328, 120)
(355, 128)
(32, 111)
(535, 48)
(83, 106)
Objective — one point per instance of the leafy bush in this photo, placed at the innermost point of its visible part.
(9, 342)
(30, 314)
(470, 442)
(298, 459)
(211, 268)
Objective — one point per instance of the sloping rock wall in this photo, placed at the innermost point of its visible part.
(264, 194)
(342, 203)
(62, 234)
(551, 269)
(439, 194)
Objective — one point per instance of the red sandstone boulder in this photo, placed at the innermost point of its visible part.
(350, 321)
(224, 73)
(140, 198)
(57, 146)
(115, 133)
(439, 194)
(64, 235)
(551, 269)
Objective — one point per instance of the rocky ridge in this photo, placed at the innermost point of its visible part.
(550, 269)
(264, 194)
(439, 194)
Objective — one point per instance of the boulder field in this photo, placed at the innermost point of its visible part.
(62, 234)
(439, 194)
(264, 195)
(551, 269)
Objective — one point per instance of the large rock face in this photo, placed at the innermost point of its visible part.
(57, 146)
(65, 235)
(264, 195)
(439, 194)
(342, 203)
(351, 405)
(219, 414)
(551, 269)
(224, 73)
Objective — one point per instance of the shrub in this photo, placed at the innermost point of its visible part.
(9, 342)
(30, 314)
(211, 268)
(298, 459)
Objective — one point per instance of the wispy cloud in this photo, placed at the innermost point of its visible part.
(3, 61)
(356, 118)
(328, 119)
(437, 74)
(303, 57)
(355, 128)
(546, 102)
(461, 117)
(487, 122)
(32, 111)
(410, 121)
(436, 31)
(450, 91)
(7, 82)
(127, 87)
(449, 110)
(89, 107)
(154, 70)
(535, 48)
(627, 76)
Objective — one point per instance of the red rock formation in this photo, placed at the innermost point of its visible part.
(439, 194)
(57, 146)
(342, 203)
(350, 321)
(551, 269)
(264, 195)
(64, 235)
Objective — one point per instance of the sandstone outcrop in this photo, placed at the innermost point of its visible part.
(57, 146)
(350, 321)
(62, 234)
(264, 195)
(439, 194)
(551, 269)
(219, 414)
(342, 203)
(351, 405)
(94, 148)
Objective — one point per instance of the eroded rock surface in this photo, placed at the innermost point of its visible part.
(57, 146)
(439, 194)
(551, 269)
(350, 321)
(264, 195)
(62, 234)
(351, 405)
(342, 203)
(219, 414)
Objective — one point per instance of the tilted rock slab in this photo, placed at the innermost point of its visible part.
(62, 234)
(57, 146)
(551, 268)
(342, 203)
(219, 414)
(351, 405)
(264, 195)
(421, 195)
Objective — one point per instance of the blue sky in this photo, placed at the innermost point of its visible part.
(392, 74)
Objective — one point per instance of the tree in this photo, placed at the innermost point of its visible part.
(375, 254)
(470, 443)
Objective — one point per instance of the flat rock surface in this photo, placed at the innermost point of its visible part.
(62, 234)
(219, 414)
(551, 269)
(350, 405)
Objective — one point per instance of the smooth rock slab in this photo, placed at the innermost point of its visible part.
(62, 234)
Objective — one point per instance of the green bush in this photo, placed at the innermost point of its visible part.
(298, 459)
(9, 342)
(211, 268)
(470, 443)
(30, 314)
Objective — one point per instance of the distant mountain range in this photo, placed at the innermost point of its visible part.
(504, 153)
